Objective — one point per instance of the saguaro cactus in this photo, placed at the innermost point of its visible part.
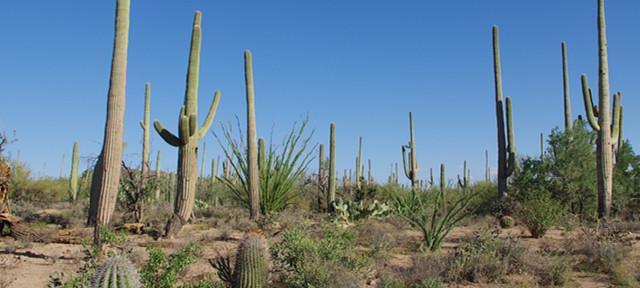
(73, 178)
(608, 129)
(331, 195)
(252, 149)
(321, 177)
(359, 166)
(369, 175)
(565, 84)
(106, 179)
(506, 147)
(203, 165)
(157, 194)
(487, 173)
(116, 272)
(411, 164)
(188, 137)
(145, 125)
(443, 178)
(463, 182)
(252, 263)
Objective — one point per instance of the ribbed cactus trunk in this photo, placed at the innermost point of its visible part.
(252, 263)
(188, 136)
(487, 173)
(157, 174)
(107, 172)
(359, 165)
(369, 176)
(321, 178)
(568, 122)
(331, 195)
(73, 178)
(145, 125)
(411, 164)
(252, 149)
(203, 165)
(541, 146)
(506, 144)
(608, 129)
(443, 178)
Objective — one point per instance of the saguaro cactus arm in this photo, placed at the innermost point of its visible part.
(212, 114)
(590, 110)
(166, 135)
(511, 142)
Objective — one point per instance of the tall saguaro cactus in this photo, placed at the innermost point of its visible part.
(565, 84)
(106, 179)
(252, 149)
(321, 176)
(608, 129)
(145, 124)
(506, 145)
(359, 166)
(188, 136)
(443, 178)
(157, 174)
(203, 165)
(411, 164)
(73, 178)
(331, 195)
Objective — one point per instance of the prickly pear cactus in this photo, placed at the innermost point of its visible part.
(116, 272)
(252, 263)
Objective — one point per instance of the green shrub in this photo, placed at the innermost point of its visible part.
(307, 262)
(539, 212)
(554, 273)
(161, 270)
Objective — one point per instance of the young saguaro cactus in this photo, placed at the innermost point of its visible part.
(331, 195)
(608, 129)
(321, 177)
(188, 136)
(157, 174)
(411, 164)
(73, 178)
(443, 178)
(463, 182)
(252, 263)
(252, 149)
(116, 272)
(506, 147)
(359, 166)
(106, 177)
(568, 122)
(145, 125)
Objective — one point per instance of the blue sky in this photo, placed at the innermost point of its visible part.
(361, 64)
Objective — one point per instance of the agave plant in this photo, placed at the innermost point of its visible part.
(279, 167)
(434, 214)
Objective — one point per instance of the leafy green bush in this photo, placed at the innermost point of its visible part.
(539, 212)
(433, 214)
(307, 262)
(161, 270)
(279, 171)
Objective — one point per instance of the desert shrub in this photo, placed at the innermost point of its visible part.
(538, 211)
(379, 236)
(485, 258)
(24, 187)
(161, 270)
(307, 262)
(351, 211)
(434, 214)
(626, 183)
(555, 272)
(279, 170)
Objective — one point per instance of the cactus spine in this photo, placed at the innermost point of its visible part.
(188, 136)
(252, 149)
(252, 263)
(608, 129)
(410, 165)
(565, 84)
(116, 272)
(106, 179)
(506, 146)
(331, 195)
(73, 178)
(144, 124)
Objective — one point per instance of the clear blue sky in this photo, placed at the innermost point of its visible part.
(362, 64)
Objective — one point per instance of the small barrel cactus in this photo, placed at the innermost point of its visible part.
(252, 263)
(116, 272)
(507, 222)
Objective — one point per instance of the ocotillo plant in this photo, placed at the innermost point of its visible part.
(73, 178)
(331, 195)
(411, 164)
(506, 147)
(106, 176)
(321, 177)
(443, 178)
(252, 149)
(568, 122)
(145, 125)
(188, 137)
